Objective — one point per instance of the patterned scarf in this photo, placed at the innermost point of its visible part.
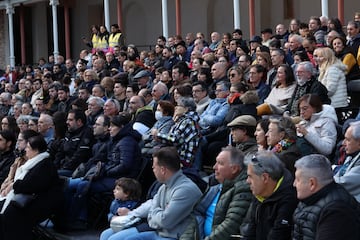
(283, 145)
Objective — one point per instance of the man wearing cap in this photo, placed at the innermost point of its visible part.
(254, 43)
(143, 79)
(181, 51)
(242, 131)
(266, 36)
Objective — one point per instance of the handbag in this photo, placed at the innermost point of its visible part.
(79, 171)
(95, 171)
(22, 200)
(119, 223)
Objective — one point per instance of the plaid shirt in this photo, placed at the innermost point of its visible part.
(185, 136)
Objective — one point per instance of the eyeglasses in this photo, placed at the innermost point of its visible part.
(232, 75)
(219, 90)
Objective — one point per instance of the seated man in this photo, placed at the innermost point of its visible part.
(170, 209)
(323, 203)
(270, 214)
(348, 174)
(215, 112)
(225, 205)
(77, 144)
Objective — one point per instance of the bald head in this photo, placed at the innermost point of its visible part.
(218, 70)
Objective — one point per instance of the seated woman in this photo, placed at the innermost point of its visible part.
(22, 140)
(261, 129)
(185, 133)
(317, 134)
(281, 138)
(332, 76)
(348, 58)
(281, 94)
(164, 116)
(38, 179)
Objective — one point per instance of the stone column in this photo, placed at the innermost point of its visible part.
(54, 4)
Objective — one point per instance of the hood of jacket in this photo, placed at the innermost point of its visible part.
(127, 130)
(327, 112)
(339, 65)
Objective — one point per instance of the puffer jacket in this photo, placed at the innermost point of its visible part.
(272, 219)
(124, 155)
(335, 82)
(322, 133)
(231, 208)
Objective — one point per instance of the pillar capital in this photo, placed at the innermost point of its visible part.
(9, 9)
(54, 2)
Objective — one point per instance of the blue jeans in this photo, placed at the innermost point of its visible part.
(76, 195)
(131, 234)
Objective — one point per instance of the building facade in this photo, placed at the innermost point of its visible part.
(141, 20)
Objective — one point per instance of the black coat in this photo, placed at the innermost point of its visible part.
(6, 160)
(272, 219)
(43, 181)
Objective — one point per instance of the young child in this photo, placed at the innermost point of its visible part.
(127, 194)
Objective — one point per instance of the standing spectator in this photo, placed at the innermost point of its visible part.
(116, 38)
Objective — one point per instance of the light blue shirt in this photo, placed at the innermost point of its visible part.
(209, 215)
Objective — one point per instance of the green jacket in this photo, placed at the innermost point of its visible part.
(231, 209)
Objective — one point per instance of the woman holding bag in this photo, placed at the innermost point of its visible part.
(38, 190)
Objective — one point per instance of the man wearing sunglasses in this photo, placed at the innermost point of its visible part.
(270, 214)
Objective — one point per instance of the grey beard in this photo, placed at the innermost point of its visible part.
(301, 82)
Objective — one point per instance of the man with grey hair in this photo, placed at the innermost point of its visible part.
(306, 84)
(348, 174)
(95, 109)
(46, 127)
(323, 203)
(270, 213)
(5, 103)
(295, 45)
(224, 206)
(215, 112)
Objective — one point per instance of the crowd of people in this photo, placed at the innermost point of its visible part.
(261, 121)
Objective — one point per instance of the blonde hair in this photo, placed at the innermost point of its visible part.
(329, 59)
